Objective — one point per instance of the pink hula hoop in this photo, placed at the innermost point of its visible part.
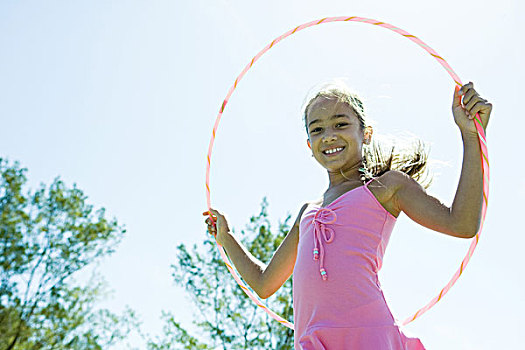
(477, 121)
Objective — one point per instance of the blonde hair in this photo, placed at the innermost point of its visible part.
(377, 160)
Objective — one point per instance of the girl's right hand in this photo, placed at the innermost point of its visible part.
(218, 227)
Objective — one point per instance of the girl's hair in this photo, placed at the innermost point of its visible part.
(376, 161)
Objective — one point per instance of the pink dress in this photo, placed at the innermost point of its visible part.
(337, 298)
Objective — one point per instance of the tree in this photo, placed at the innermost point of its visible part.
(46, 237)
(226, 317)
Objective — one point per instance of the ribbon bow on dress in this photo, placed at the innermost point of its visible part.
(321, 232)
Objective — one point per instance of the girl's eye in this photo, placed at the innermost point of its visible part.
(342, 124)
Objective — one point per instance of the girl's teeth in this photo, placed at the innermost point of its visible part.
(332, 151)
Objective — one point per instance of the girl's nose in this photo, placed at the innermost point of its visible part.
(329, 138)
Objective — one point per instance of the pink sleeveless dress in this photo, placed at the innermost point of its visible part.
(337, 298)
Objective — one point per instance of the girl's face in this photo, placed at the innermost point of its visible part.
(333, 124)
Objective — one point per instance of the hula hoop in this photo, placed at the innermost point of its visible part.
(479, 128)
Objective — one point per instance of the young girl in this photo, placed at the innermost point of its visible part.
(336, 245)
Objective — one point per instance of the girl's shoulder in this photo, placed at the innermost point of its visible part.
(390, 181)
(384, 188)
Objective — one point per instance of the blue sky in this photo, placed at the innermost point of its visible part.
(120, 97)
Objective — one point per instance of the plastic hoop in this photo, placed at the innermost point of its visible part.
(479, 128)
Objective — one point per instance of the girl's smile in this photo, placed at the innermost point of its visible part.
(333, 151)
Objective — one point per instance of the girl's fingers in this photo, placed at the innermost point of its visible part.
(213, 218)
(460, 92)
(475, 109)
(208, 213)
(457, 96)
(472, 102)
(465, 88)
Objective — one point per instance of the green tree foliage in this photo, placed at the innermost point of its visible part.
(225, 316)
(46, 237)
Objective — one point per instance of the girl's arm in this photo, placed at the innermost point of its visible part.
(463, 218)
(265, 280)
(281, 266)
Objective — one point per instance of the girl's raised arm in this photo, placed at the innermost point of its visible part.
(463, 218)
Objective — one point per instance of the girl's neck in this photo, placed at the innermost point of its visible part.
(351, 175)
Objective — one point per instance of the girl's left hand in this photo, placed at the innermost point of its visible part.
(472, 104)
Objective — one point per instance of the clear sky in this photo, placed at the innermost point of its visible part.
(120, 97)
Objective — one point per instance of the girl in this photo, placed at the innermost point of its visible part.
(336, 245)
